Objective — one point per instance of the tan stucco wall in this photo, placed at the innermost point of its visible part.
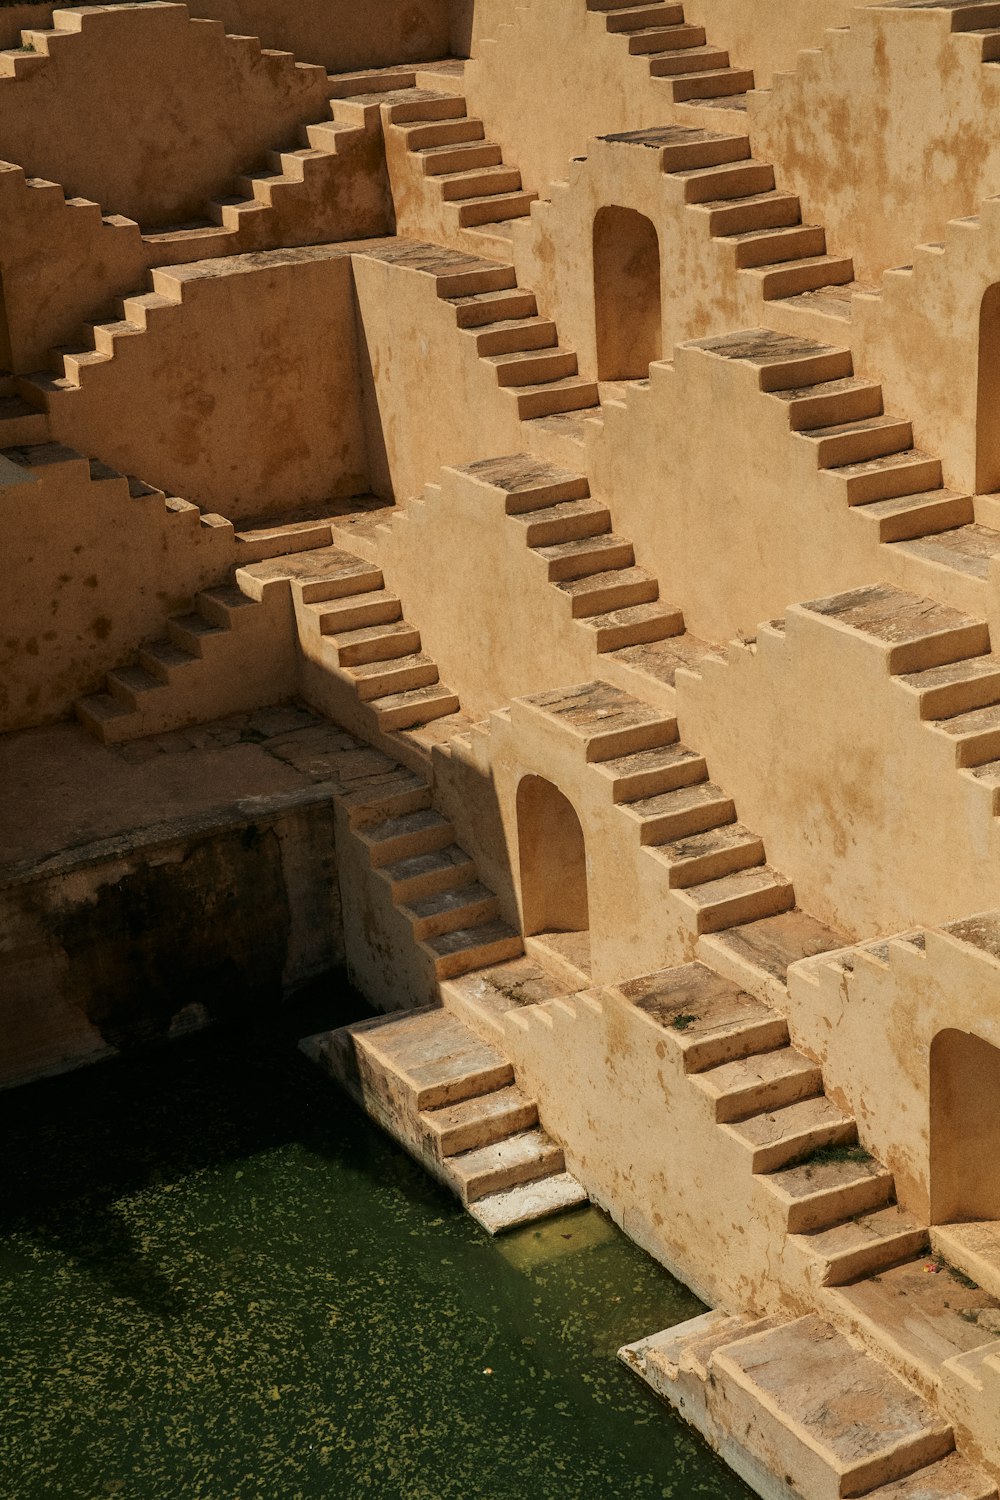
(138, 155)
(242, 396)
(881, 162)
(336, 34)
(859, 802)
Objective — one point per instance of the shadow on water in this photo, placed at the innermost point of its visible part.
(218, 1280)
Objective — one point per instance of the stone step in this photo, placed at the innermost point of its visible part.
(525, 367)
(711, 855)
(975, 735)
(569, 521)
(645, 40)
(373, 643)
(192, 632)
(956, 687)
(524, 1157)
(424, 104)
(404, 838)
(466, 948)
(710, 1019)
(906, 473)
(464, 157)
(586, 556)
(903, 518)
(743, 897)
(528, 1203)
(601, 593)
(765, 210)
(456, 907)
(444, 133)
(357, 612)
(416, 706)
(669, 816)
(672, 62)
(162, 659)
(861, 1247)
(766, 1081)
(495, 206)
(953, 1478)
(638, 17)
(764, 247)
(480, 1121)
(635, 625)
(381, 679)
(106, 717)
(433, 1058)
(528, 483)
(515, 336)
(132, 685)
(482, 308)
(650, 773)
(860, 439)
(824, 1191)
(916, 633)
(828, 402)
(420, 877)
(794, 277)
(714, 84)
(732, 180)
(478, 182)
(554, 397)
(783, 1136)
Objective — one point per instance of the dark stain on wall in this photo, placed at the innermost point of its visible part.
(209, 929)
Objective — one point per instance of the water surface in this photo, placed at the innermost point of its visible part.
(218, 1281)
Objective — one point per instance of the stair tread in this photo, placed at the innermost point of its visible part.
(406, 823)
(470, 938)
(702, 1008)
(807, 1179)
(455, 899)
(525, 1146)
(968, 548)
(362, 671)
(437, 1058)
(888, 614)
(790, 1122)
(528, 1202)
(884, 1224)
(680, 798)
(760, 1068)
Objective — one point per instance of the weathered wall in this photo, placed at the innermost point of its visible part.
(768, 35)
(138, 155)
(882, 161)
(332, 33)
(137, 939)
(857, 799)
(242, 395)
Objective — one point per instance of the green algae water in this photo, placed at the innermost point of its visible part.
(218, 1281)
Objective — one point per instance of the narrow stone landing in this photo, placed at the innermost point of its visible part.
(452, 1102)
(801, 1414)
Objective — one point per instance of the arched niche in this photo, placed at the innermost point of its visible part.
(965, 1128)
(553, 860)
(988, 394)
(628, 316)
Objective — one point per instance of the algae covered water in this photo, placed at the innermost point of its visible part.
(218, 1281)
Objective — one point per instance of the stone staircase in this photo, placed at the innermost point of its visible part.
(943, 659)
(881, 476)
(715, 868)
(447, 166)
(692, 69)
(452, 1101)
(797, 1400)
(832, 1197)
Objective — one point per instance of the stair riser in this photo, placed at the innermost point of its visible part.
(419, 887)
(769, 902)
(473, 915)
(796, 242)
(413, 110)
(486, 1132)
(516, 340)
(977, 749)
(445, 133)
(960, 697)
(493, 210)
(216, 612)
(714, 866)
(794, 279)
(585, 565)
(638, 633)
(521, 502)
(782, 1153)
(451, 965)
(779, 212)
(163, 673)
(550, 403)
(324, 590)
(462, 159)
(382, 648)
(858, 447)
(791, 374)
(480, 183)
(659, 41)
(194, 643)
(496, 310)
(662, 779)
(472, 283)
(398, 680)
(601, 601)
(763, 1036)
(410, 715)
(872, 1259)
(827, 411)
(634, 19)
(827, 1209)
(359, 616)
(740, 181)
(940, 650)
(925, 520)
(568, 529)
(686, 60)
(508, 1177)
(669, 827)
(712, 86)
(391, 851)
(392, 805)
(536, 368)
(690, 155)
(765, 1097)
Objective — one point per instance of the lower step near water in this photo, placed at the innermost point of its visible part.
(219, 1280)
